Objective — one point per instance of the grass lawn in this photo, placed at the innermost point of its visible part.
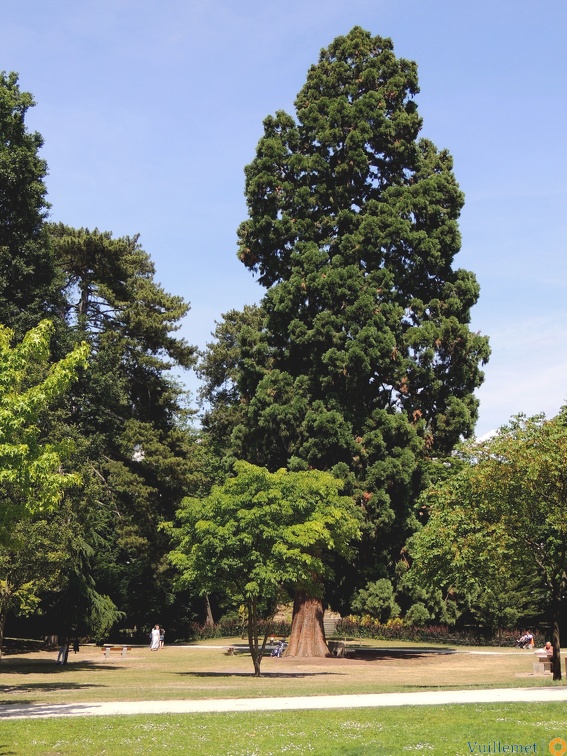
(207, 672)
(453, 730)
(202, 671)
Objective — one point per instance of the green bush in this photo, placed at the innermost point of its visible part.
(397, 629)
(231, 627)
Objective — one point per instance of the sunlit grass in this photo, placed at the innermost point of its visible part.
(198, 672)
(449, 730)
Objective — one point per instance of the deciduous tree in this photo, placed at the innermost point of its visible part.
(261, 534)
(32, 476)
(503, 514)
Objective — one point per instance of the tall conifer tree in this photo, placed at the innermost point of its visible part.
(365, 362)
(26, 266)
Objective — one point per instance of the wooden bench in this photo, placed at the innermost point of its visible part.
(107, 649)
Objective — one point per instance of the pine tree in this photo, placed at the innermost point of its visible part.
(136, 450)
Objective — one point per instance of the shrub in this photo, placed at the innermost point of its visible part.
(398, 629)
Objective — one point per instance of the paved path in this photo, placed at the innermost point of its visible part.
(504, 695)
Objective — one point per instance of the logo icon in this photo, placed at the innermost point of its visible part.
(558, 746)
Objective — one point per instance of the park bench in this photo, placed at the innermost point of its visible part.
(108, 648)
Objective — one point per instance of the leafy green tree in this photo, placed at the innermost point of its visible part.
(32, 476)
(504, 514)
(27, 273)
(363, 362)
(135, 448)
(133, 445)
(262, 533)
(31, 563)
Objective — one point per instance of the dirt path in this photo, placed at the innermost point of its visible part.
(504, 695)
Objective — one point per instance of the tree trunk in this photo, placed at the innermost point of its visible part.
(556, 643)
(256, 650)
(2, 624)
(5, 597)
(209, 622)
(307, 632)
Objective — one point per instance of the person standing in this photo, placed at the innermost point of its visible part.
(154, 635)
(63, 650)
(161, 637)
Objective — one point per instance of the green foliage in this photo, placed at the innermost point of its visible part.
(135, 448)
(262, 533)
(360, 357)
(377, 600)
(499, 524)
(27, 273)
(417, 615)
(31, 475)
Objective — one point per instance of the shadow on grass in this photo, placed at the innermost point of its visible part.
(370, 653)
(432, 650)
(279, 675)
(43, 687)
(17, 666)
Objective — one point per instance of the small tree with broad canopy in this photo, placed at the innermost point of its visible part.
(261, 534)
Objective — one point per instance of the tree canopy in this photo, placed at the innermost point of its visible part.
(503, 513)
(33, 477)
(262, 534)
(361, 359)
(127, 417)
(27, 274)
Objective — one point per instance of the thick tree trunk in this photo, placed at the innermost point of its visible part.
(556, 643)
(307, 632)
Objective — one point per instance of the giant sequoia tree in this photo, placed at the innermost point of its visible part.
(364, 361)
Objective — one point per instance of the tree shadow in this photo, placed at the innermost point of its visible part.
(17, 666)
(41, 687)
(384, 654)
(23, 710)
(275, 675)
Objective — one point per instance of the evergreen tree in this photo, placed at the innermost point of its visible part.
(365, 362)
(27, 273)
(136, 450)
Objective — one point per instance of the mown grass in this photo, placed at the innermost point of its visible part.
(454, 730)
(201, 672)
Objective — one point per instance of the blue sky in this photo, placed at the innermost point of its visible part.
(150, 111)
